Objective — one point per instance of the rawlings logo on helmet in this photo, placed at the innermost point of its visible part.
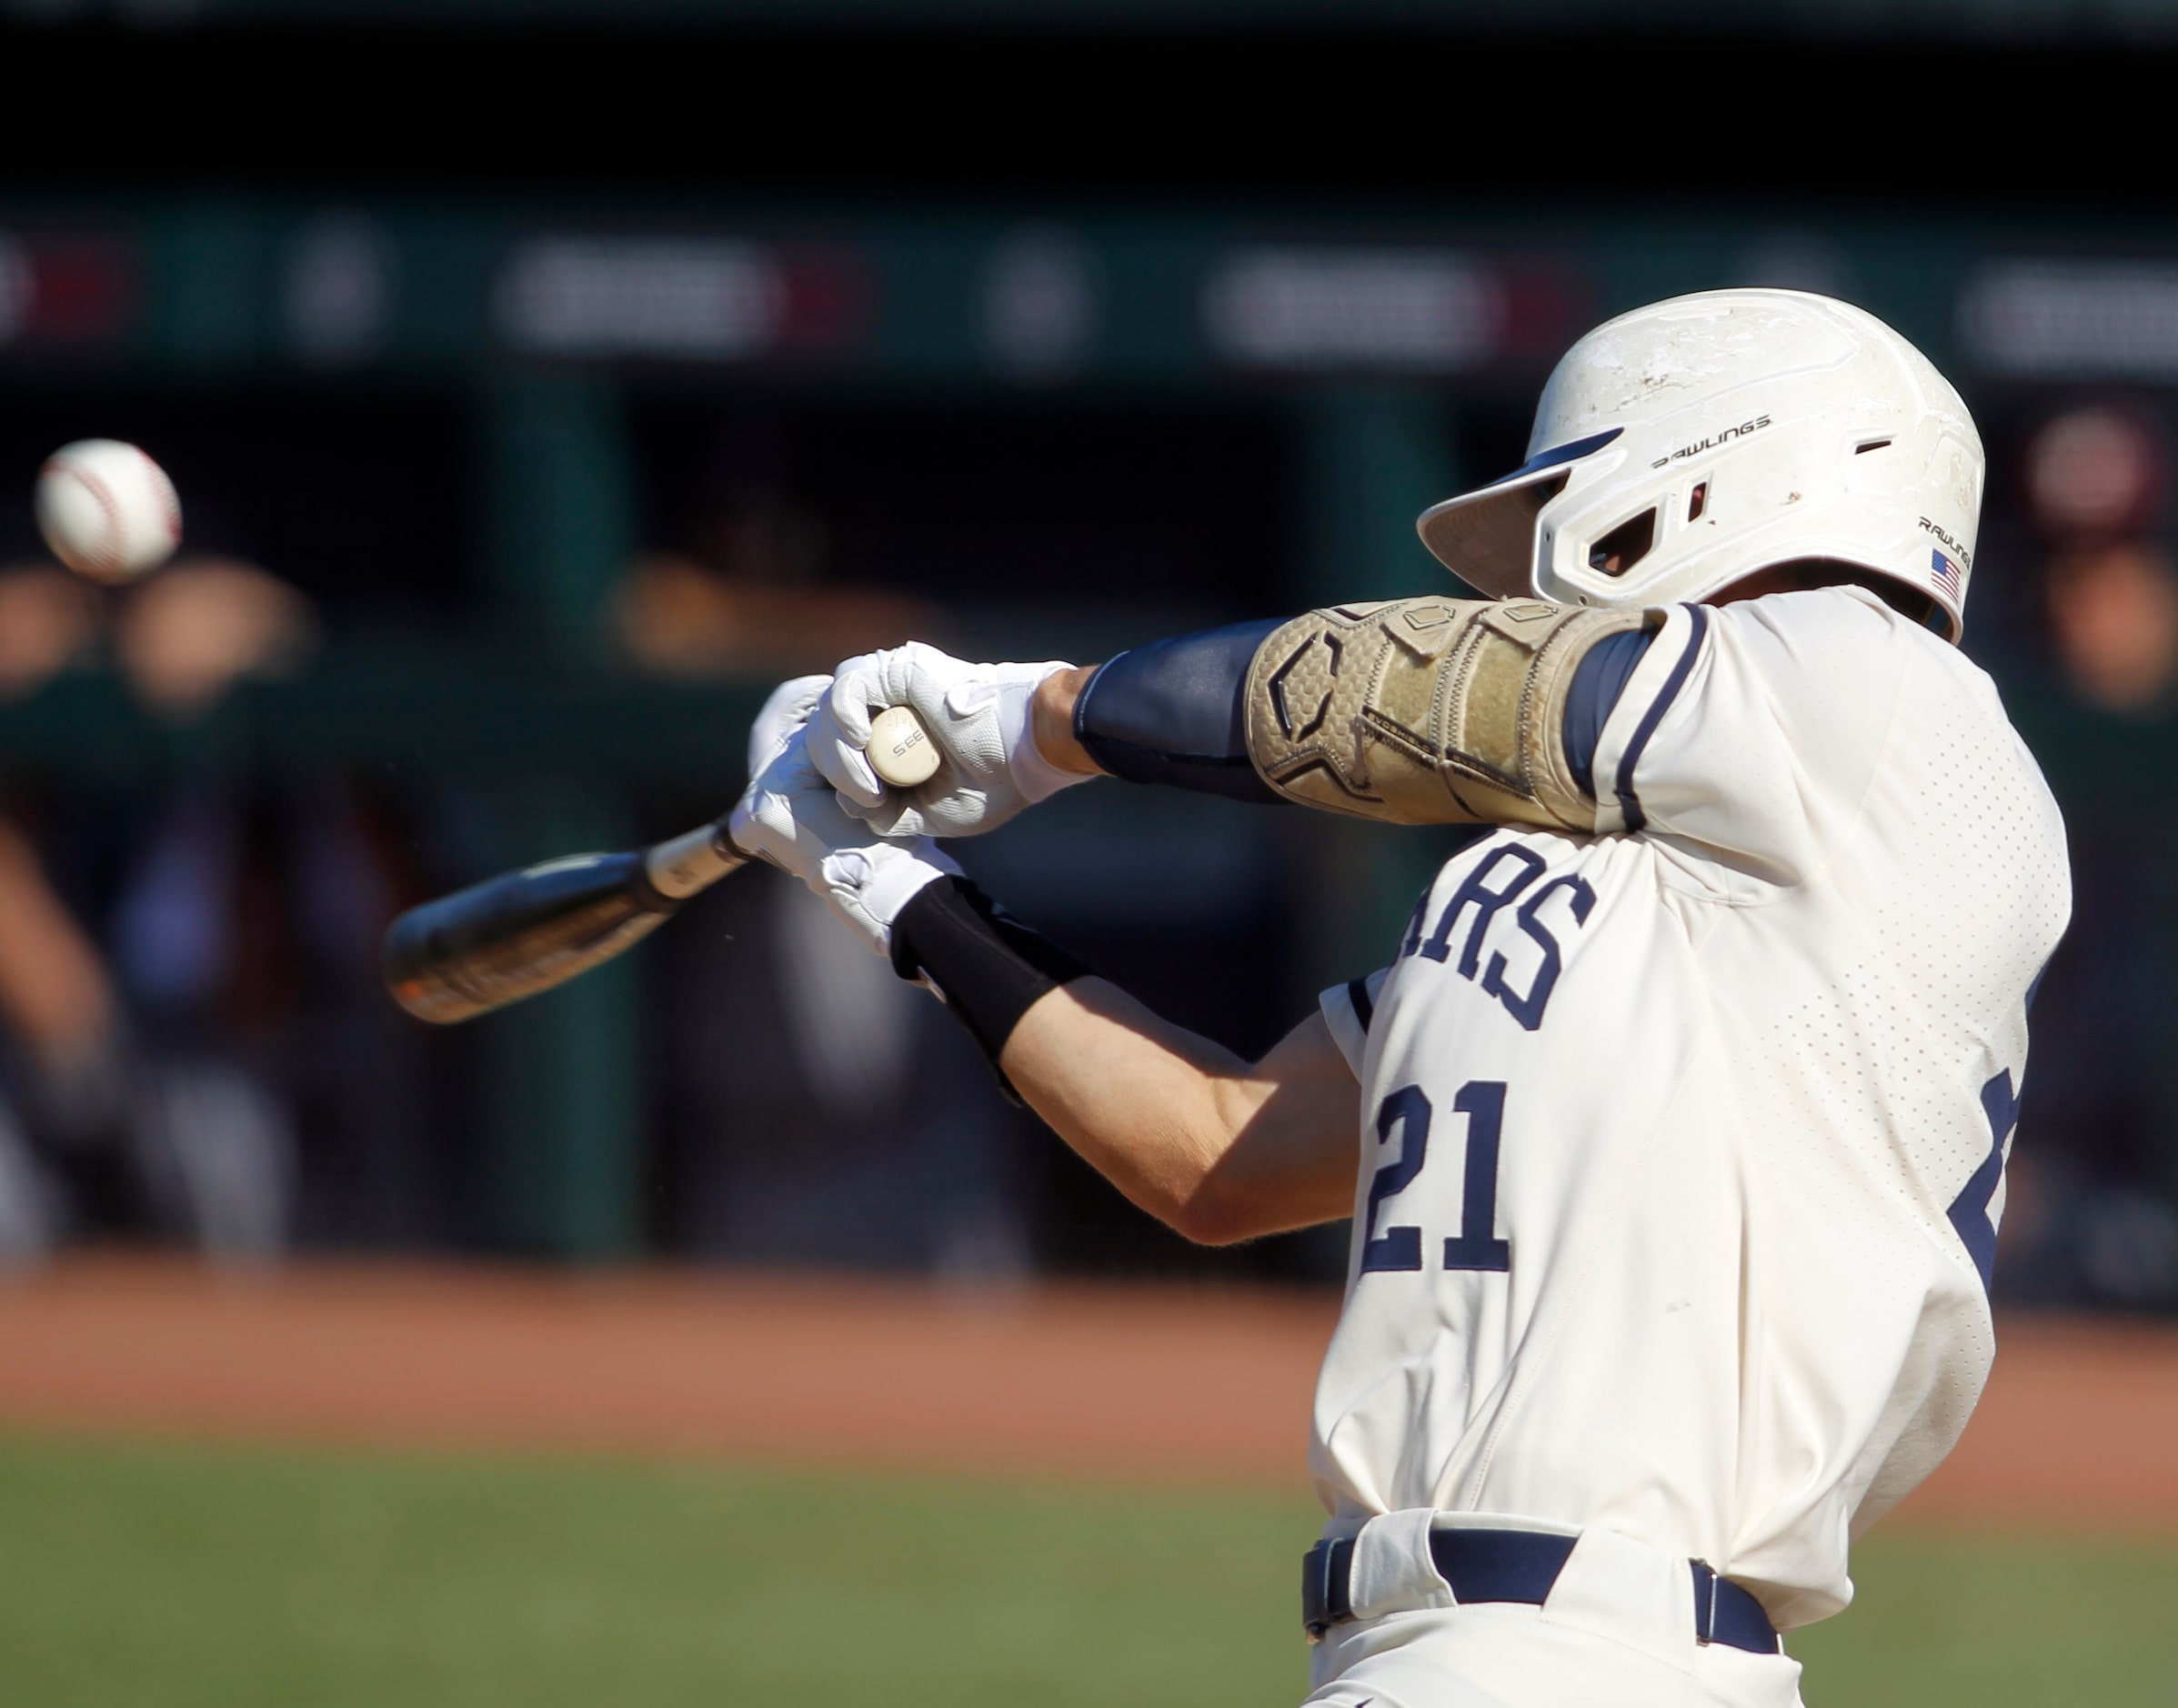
(1713, 440)
(1963, 553)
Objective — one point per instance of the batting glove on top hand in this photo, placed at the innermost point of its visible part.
(978, 714)
(789, 817)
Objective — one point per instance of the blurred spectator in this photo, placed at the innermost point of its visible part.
(751, 600)
(2097, 473)
(818, 1109)
(2112, 611)
(49, 620)
(113, 1127)
(2096, 479)
(184, 637)
(64, 1026)
(2090, 1216)
(787, 1141)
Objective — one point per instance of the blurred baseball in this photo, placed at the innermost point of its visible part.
(900, 752)
(107, 510)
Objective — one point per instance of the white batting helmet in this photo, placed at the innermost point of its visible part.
(1688, 444)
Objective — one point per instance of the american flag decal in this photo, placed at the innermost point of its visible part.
(1948, 576)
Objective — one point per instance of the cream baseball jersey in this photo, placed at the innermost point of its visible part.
(1682, 1145)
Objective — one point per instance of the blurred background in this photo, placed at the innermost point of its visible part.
(544, 381)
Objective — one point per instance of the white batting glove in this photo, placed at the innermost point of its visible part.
(789, 817)
(785, 712)
(978, 714)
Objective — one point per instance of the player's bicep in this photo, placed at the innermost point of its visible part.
(1292, 1118)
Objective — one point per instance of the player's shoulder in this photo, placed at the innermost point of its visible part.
(1829, 637)
(1763, 721)
(1855, 690)
(1820, 647)
(1830, 629)
(1831, 659)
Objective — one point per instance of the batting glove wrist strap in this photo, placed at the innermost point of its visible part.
(988, 967)
(1033, 775)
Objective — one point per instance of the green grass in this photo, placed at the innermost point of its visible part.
(161, 1575)
(156, 1575)
(2040, 1622)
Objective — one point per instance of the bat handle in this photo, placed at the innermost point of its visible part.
(679, 868)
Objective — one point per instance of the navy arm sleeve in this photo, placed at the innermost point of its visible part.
(1171, 712)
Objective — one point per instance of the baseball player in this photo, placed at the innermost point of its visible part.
(1673, 1130)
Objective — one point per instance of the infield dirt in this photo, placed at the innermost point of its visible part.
(1104, 1382)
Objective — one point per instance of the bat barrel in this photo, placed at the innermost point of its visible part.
(518, 934)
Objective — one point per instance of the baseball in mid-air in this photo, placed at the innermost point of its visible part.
(900, 753)
(107, 510)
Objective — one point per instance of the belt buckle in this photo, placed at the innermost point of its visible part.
(1705, 1603)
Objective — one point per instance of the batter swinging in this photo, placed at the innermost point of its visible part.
(1683, 1100)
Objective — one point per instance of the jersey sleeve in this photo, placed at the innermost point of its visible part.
(1748, 734)
(1347, 1009)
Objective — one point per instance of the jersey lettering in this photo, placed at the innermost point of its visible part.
(1488, 891)
(1475, 892)
(1527, 1007)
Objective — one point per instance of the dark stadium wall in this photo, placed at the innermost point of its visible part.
(1689, 116)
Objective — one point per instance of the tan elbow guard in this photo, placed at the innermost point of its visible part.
(1428, 711)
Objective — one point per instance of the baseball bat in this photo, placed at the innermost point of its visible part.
(524, 933)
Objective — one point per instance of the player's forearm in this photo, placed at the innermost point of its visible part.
(1217, 1148)
(1134, 1096)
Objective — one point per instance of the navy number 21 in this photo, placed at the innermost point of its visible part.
(1475, 1247)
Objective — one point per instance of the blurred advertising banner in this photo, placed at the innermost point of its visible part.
(2067, 320)
(688, 300)
(58, 291)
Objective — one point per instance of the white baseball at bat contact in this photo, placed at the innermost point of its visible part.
(900, 750)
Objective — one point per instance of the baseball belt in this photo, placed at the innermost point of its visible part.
(1520, 1565)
